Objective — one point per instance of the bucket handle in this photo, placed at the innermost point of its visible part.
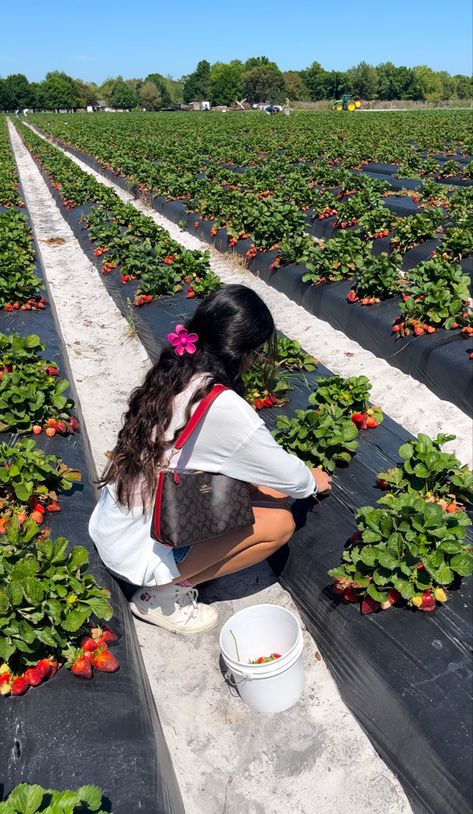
(232, 682)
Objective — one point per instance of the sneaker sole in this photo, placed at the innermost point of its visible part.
(168, 625)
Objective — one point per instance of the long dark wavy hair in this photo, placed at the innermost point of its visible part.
(231, 323)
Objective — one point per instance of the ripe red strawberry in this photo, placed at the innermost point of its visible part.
(393, 597)
(53, 506)
(88, 644)
(74, 423)
(33, 676)
(36, 429)
(54, 665)
(43, 667)
(61, 427)
(369, 605)
(19, 686)
(104, 661)
(52, 371)
(275, 656)
(371, 422)
(37, 517)
(382, 484)
(5, 678)
(259, 404)
(108, 635)
(350, 595)
(82, 667)
(357, 418)
(428, 602)
(190, 293)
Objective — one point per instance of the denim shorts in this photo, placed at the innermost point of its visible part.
(181, 553)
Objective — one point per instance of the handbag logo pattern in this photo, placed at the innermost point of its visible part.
(192, 507)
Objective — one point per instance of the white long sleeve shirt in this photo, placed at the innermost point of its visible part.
(231, 440)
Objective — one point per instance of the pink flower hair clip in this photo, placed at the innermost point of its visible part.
(182, 341)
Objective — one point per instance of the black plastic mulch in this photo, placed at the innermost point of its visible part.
(68, 731)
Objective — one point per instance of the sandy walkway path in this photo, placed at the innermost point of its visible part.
(228, 760)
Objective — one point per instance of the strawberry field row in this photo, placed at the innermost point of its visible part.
(264, 215)
(50, 597)
(374, 570)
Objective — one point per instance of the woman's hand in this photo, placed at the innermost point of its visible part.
(323, 481)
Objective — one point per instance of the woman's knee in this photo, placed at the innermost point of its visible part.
(287, 527)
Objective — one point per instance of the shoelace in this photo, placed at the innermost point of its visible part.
(188, 599)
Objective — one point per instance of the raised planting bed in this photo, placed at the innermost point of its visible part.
(69, 731)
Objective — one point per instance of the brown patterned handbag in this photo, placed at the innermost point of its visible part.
(194, 506)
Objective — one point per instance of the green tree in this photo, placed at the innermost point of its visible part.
(295, 87)
(7, 100)
(463, 86)
(197, 85)
(388, 86)
(150, 96)
(87, 92)
(226, 82)
(429, 83)
(363, 80)
(258, 62)
(263, 83)
(60, 91)
(19, 89)
(107, 89)
(162, 88)
(123, 96)
(314, 79)
(336, 83)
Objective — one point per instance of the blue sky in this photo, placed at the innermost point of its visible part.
(95, 39)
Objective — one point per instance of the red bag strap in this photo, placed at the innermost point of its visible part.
(198, 415)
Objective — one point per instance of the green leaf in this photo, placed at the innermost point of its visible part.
(27, 799)
(76, 618)
(462, 564)
(90, 795)
(33, 590)
(101, 607)
(79, 557)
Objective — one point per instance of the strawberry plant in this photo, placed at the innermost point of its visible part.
(291, 357)
(350, 396)
(19, 285)
(430, 472)
(407, 550)
(337, 259)
(457, 242)
(378, 279)
(320, 438)
(29, 480)
(46, 601)
(377, 222)
(8, 176)
(33, 799)
(30, 399)
(265, 383)
(414, 229)
(436, 296)
(17, 351)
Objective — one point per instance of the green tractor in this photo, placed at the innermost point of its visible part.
(347, 102)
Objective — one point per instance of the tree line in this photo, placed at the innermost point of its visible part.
(257, 80)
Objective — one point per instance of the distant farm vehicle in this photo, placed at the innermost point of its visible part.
(347, 102)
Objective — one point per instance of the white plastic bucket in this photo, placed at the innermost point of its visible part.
(259, 631)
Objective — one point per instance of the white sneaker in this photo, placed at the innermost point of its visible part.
(174, 608)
